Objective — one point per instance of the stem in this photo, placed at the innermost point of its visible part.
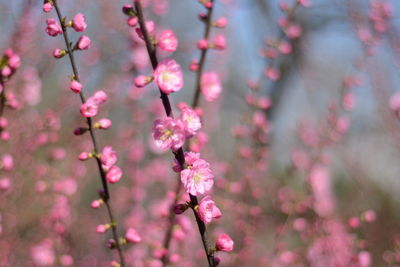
(179, 156)
(106, 197)
(195, 104)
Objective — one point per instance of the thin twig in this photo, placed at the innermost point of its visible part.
(106, 196)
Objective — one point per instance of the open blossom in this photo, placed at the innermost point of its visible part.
(224, 243)
(220, 42)
(168, 76)
(198, 177)
(99, 97)
(108, 157)
(53, 28)
(169, 133)
(79, 22)
(83, 43)
(207, 210)
(167, 41)
(210, 86)
(191, 121)
(89, 108)
(114, 174)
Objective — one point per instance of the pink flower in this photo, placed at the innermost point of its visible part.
(108, 157)
(53, 28)
(197, 178)
(83, 43)
(114, 174)
(96, 204)
(168, 76)
(167, 41)
(89, 109)
(47, 7)
(272, 73)
(132, 236)
(79, 22)
(305, 3)
(99, 97)
(132, 21)
(75, 86)
(210, 86)
(224, 243)
(191, 121)
(102, 228)
(169, 133)
(207, 210)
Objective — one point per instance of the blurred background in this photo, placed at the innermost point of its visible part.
(304, 139)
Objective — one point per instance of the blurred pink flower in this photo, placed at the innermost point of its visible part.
(210, 86)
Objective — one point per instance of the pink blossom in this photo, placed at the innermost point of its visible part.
(43, 253)
(114, 174)
(167, 41)
(84, 156)
(96, 203)
(83, 43)
(53, 28)
(102, 228)
(5, 183)
(272, 73)
(293, 31)
(210, 86)
(132, 236)
(305, 3)
(108, 157)
(197, 178)
(79, 22)
(168, 76)
(89, 109)
(224, 243)
(99, 97)
(207, 210)
(7, 162)
(169, 133)
(14, 62)
(75, 86)
(191, 121)
(132, 21)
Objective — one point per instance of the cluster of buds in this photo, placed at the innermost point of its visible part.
(9, 63)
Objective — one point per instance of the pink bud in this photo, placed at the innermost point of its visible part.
(202, 44)
(132, 236)
(58, 53)
(104, 124)
(224, 243)
(96, 203)
(132, 21)
(207, 210)
(114, 174)
(180, 208)
(79, 22)
(272, 73)
(83, 43)
(142, 81)
(6, 71)
(220, 42)
(8, 162)
(75, 86)
(53, 28)
(208, 5)
(221, 22)
(47, 7)
(84, 156)
(150, 27)
(14, 62)
(194, 65)
(101, 228)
